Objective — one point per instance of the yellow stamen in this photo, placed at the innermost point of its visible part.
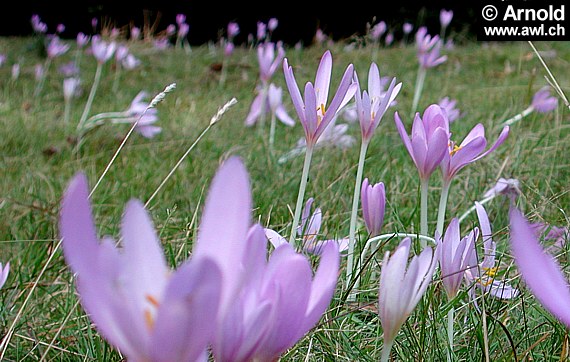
(454, 150)
(492, 272)
(152, 300)
(149, 319)
(489, 274)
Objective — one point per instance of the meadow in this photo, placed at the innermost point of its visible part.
(490, 81)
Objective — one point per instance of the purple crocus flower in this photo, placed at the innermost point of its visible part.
(82, 40)
(183, 30)
(268, 61)
(320, 36)
(2, 59)
(4, 271)
(378, 30)
(69, 69)
(71, 87)
(428, 48)
(60, 28)
(483, 275)
(456, 256)
(509, 187)
(407, 28)
(261, 30)
(272, 24)
(471, 149)
(373, 104)
(145, 125)
(130, 62)
(94, 23)
(278, 303)
(39, 71)
(56, 48)
(539, 270)
(161, 43)
(135, 33)
(180, 19)
(121, 52)
(137, 303)
(428, 143)
(389, 39)
(102, 50)
(449, 107)
(402, 288)
(271, 100)
(229, 49)
(309, 230)
(38, 26)
(445, 17)
(373, 199)
(543, 102)
(233, 29)
(313, 112)
(171, 29)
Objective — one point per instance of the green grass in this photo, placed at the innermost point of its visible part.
(491, 82)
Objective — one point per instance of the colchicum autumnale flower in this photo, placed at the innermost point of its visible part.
(373, 206)
(4, 271)
(313, 112)
(539, 270)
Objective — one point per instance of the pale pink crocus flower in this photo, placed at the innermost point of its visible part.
(401, 288)
(509, 187)
(456, 256)
(135, 33)
(180, 19)
(445, 17)
(82, 40)
(428, 143)
(4, 271)
(261, 30)
(483, 275)
(229, 49)
(170, 30)
(373, 206)
(39, 72)
(2, 59)
(183, 30)
(15, 71)
(378, 30)
(268, 60)
(130, 62)
(272, 24)
(232, 30)
(138, 110)
(56, 48)
(269, 101)
(407, 28)
(449, 107)
(540, 271)
(102, 50)
(313, 112)
(70, 87)
(543, 102)
(138, 304)
(389, 39)
(60, 28)
(309, 230)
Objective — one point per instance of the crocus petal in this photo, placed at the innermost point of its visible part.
(190, 303)
(275, 238)
(143, 258)
(148, 131)
(77, 228)
(229, 203)
(255, 110)
(4, 273)
(502, 137)
(404, 135)
(311, 122)
(502, 290)
(436, 150)
(539, 270)
(283, 116)
(374, 84)
(323, 78)
(323, 286)
(293, 90)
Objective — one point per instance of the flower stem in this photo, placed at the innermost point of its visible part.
(386, 349)
(450, 319)
(424, 230)
(353, 217)
(272, 132)
(42, 80)
(472, 208)
(519, 116)
(301, 195)
(418, 89)
(87, 108)
(66, 111)
(442, 206)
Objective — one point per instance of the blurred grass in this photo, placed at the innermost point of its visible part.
(491, 82)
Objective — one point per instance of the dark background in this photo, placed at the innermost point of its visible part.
(298, 20)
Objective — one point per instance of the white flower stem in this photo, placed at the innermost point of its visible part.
(272, 132)
(424, 230)
(519, 116)
(66, 110)
(94, 86)
(450, 319)
(442, 206)
(386, 349)
(353, 217)
(472, 208)
(421, 77)
(42, 80)
(301, 195)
